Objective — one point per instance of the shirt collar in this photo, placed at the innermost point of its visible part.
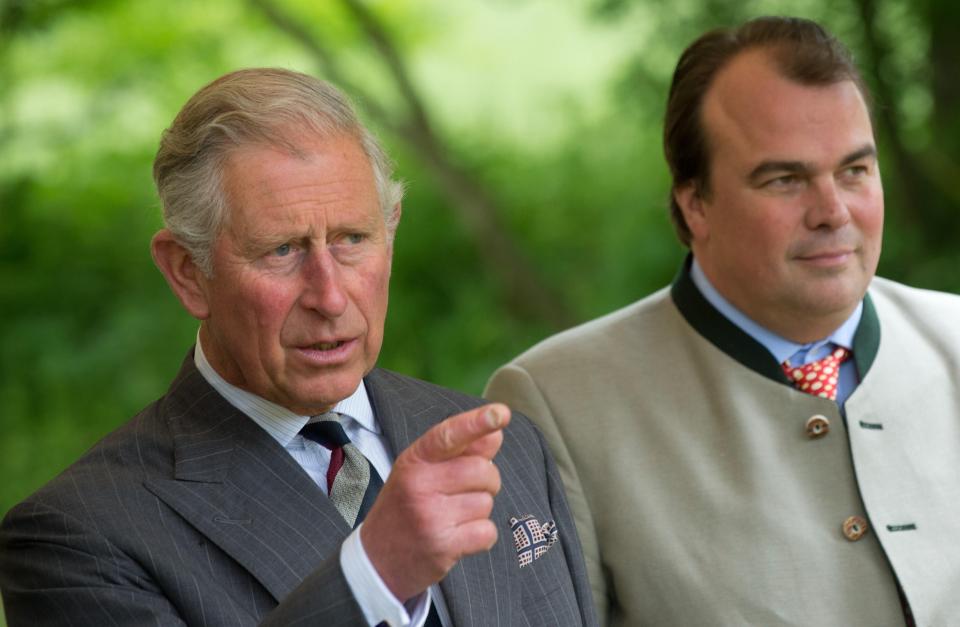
(780, 347)
(281, 423)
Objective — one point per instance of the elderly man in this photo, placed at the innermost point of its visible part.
(774, 439)
(237, 498)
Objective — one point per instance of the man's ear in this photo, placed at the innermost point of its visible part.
(392, 225)
(183, 276)
(689, 197)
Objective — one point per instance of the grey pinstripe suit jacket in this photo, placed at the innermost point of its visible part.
(192, 514)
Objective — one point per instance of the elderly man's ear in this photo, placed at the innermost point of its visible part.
(394, 222)
(187, 281)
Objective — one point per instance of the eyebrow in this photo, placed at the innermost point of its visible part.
(802, 167)
(866, 151)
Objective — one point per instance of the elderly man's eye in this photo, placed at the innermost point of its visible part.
(283, 250)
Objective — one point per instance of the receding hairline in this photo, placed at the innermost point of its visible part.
(773, 58)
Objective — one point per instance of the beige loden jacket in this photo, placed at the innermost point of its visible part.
(701, 499)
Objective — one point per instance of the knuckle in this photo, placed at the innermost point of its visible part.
(423, 518)
(484, 536)
(476, 465)
(495, 484)
(445, 436)
(492, 478)
(497, 480)
(485, 502)
(492, 535)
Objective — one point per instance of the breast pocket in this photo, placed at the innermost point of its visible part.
(547, 595)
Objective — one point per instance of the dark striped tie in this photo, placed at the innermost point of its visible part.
(352, 481)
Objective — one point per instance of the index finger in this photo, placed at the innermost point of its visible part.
(452, 436)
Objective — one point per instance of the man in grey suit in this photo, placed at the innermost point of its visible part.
(775, 438)
(283, 479)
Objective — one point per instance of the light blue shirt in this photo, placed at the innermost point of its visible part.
(783, 349)
(360, 425)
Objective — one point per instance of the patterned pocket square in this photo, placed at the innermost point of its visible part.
(532, 538)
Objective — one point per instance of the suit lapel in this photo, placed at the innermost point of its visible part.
(402, 410)
(241, 489)
(477, 590)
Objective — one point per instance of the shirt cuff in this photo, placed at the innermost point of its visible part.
(372, 595)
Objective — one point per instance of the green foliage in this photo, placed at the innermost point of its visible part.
(555, 110)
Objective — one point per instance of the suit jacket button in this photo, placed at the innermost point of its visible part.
(854, 527)
(817, 427)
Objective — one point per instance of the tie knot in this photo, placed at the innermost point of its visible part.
(819, 377)
(327, 432)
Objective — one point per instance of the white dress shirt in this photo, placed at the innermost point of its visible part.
(783, 349)
(373, 596)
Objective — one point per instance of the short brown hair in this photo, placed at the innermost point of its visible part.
(802, 50)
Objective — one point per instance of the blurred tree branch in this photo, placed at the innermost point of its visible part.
(886, 108)
(526, 292)
(926, 193)
(941, 158)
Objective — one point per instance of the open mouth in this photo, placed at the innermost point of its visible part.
(329, 352)
(325, 346)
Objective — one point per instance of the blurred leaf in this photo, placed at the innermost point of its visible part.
(554, 109)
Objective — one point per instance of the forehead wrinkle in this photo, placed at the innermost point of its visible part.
(298, 196)
(310, 202)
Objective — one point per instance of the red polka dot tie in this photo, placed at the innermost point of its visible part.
(820, 377)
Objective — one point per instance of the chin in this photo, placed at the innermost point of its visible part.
(328, 395)
(835, 303)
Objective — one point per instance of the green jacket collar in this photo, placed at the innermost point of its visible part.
(733, 341)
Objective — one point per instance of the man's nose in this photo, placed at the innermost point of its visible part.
(827, 206)
(323, 284)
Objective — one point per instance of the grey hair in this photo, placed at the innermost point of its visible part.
(265, 106)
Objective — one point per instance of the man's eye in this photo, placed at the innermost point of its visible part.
(356, 238)
(282, 250)
(783, 181)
